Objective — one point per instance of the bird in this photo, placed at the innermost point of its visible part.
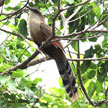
(40, 32)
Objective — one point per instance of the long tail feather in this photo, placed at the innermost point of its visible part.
(65, 71)
(68, 78)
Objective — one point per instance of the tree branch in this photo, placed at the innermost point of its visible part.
(90, 59)
(15, 34)
(76, 11)
(37, 61)
(14, 13)
(81, 16)
(24, 64)
(80, 33)
(80, 78)
(67, 8)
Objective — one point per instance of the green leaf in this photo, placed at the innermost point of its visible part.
(13, 8)
(97, 10)
(4, 67)
(10, 96)
(57, 91)
(23, 27)
(60, 82)
(7, 52)
(91, 17)
(91, 74)
(70, 1)
(98, 47)
(102, 71)
(14, 59)
(27, 53)
(6, 2)
(93, 65)
(4, 79)
(91, 88)
(99, 87)
(46, 99)
(18, 73)
(37, 80)
(75, 45)
(84, 66)
(24, 83)
(93, 39)
(44, 11)
(100, 76)
(98, 50)
(89, 52)
(11, 85)
(105, 42)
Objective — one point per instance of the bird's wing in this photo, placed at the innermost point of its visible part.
(47, 33)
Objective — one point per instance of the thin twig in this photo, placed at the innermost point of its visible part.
(81, 16)
(80, 33)
(71, 57)
(53, 95)
(106, 94)
(33, 71)
(90, 59)
(5, 39)
(7, 59)
(76, 11)
(59, 3)
(23, 53)
(14, 13)
(15, 34)
(79, 76)
(73, 6)
(37, 100)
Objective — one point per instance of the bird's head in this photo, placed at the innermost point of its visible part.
(35, 13)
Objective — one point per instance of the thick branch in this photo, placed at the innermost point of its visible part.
(100, 103)
(37, 61)
(43, 59)
(24, 64)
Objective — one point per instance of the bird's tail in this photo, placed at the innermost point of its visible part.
(65, 70)
(68, 77)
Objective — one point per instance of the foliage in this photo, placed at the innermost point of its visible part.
(18, 90)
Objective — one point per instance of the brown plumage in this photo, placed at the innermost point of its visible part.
(40, 32)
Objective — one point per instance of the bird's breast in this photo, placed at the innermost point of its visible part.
(35, 32)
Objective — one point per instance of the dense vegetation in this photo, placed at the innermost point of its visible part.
(77, 22)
